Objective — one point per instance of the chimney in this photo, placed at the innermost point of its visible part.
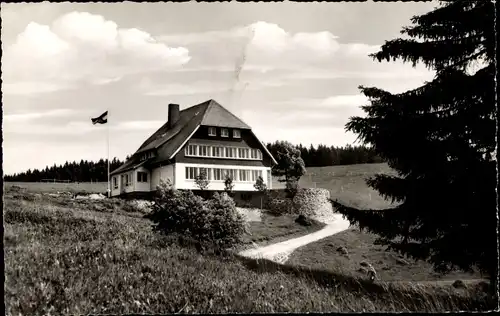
(173, 114)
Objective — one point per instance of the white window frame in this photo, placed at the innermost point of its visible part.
(218, 175)
(236, 133)
(115, 183)
(223, 152)
(212, 131)
(224, 132)
(141, 175)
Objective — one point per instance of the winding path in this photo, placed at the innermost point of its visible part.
(280, 252)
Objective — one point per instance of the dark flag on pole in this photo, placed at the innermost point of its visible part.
(103, 119)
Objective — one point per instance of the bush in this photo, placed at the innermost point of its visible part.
(313, 202)
(277, 206)
(212, 223)
(260, 185)
(226, 226)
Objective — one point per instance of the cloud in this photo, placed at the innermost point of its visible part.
(32, 115)
(138, 125)
(81, 46)
(33, 87)
(305, 55)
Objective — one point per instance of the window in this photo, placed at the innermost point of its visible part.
(203, 151)
(218, 174)
(244, 175)
(191, 173)
(230, 173)
(256, 174)
(195, 150)
(115, 183)
(253, 153)
(142, 177)
(236, 133)
(224, 132)
(217, 152)
(243, 153)
(212, 131)
(207, 173)
(191, 150)
(127, 180)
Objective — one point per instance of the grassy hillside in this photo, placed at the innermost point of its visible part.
(73, 260)
(360, 246)
(87, 187)
(344, 182)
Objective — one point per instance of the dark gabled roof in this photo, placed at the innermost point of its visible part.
(217, 115)
(208, 113)
(129, 165)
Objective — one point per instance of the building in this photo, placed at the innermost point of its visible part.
(205, 137)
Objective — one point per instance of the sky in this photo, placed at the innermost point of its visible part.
(289, 70)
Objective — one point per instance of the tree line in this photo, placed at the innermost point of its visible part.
(83, 171)
(323, 155)
(87, 171)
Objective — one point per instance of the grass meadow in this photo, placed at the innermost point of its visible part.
(73, 260)
(64, 256)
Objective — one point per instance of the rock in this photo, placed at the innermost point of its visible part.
(402, 261)
(459, 284)
(15, 188)
(342, 250)
(362, 270)
(365, 264)
(302, 220)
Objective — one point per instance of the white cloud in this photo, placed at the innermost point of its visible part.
(264, 46)
(305, 104)
(32, 87)
(30, 116)
(83, 46)
(138, 125)
(198, 87)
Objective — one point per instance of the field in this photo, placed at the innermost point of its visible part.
(389, 265)
(101, 256)
(72, 260)
(344, 183)
(82, 187)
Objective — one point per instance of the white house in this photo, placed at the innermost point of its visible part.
(205, 137)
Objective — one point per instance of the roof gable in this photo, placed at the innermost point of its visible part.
(217, 115)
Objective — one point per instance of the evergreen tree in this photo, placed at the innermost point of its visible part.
(440, 138)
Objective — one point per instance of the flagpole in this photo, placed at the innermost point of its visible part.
(109, 183)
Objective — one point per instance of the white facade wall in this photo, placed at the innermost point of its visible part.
(182, 183)
(161, 173)
(122, 187)
(142, 186)
(177, 175)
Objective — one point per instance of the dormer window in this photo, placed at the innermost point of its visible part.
(224, 132)
(236, 133)
(147, 156)
(212, 131)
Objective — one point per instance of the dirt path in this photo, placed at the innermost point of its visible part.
(280, 252)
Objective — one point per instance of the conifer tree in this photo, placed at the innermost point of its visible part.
(440, 138)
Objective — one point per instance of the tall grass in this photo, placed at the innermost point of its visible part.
(74, 260)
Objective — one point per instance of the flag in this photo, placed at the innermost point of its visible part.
(103, 119)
